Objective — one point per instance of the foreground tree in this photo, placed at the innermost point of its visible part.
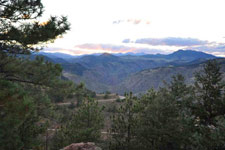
(209, 94)
(164, 121)
(85, 125)
(208, 107)
(124, 125)
(20, 33)
(16, 112)
(25, 84)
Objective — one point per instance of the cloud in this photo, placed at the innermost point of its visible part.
(66, 51)
(118, 21)
(105, 48)
(174, 43)
(171, 41)
(132, 21)
(97, 48)
(217, 49)
(126, 41)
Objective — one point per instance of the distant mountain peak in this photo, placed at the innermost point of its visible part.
(180, 50)
(189, 55)
(106, 54)
(188, 51)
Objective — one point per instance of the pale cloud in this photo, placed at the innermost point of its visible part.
(91, 22)
(217, 49)
(109, 48)
(90, 48)
(126, 41)
(175, 43)
(75, 52)
(171, 41)
(132, 21)
(106, 48)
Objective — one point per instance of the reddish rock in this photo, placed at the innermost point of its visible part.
(82, 146)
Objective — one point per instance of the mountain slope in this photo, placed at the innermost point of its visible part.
(155, 78)
(189, 55)
(111, 70)
(182, 55)
(108, 72)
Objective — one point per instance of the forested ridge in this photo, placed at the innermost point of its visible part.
(34, 98)
(118, 74)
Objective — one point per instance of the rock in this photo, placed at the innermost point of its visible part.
(82, 146)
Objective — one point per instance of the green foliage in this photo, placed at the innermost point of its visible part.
(19, 126)
(111, 109)
(37, 72)
(209, 94)
(106, 96)
(72, 105)
(61, 90)
(88, 121)
(25, 85)
(124, 125)
(175, 117)
(164, 123)
(183, 117)
(107, 92)
(85, 125)
(80, 93)
(118, 100)
(208, 107)
(20, 33)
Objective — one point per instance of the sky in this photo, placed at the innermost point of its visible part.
(139, 26)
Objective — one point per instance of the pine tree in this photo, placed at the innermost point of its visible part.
(208, 107)
(209, 94)
(87, 121)
(124, 125)
(20, 33)
(85, 125)
(164, 121)
(25, 84)
(19, 118)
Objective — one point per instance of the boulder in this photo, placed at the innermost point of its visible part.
(82, 146)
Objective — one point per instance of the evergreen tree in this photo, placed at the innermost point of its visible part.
(209, 94)
(124, 125)
(208, 107)
(20, 33)
(85, 125)
(164, 121)
(87, 121)
(25, 84)
(19, 128)
(35, 92)
(80, 93)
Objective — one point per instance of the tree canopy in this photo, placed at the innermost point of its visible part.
(26, 85)
(20, 32)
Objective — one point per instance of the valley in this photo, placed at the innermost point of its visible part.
(112, 75)
(125, 73)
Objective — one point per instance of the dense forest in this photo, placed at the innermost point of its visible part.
(42, 110)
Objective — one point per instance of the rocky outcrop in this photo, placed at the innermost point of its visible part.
(82, 146)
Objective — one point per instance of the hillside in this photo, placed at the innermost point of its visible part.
(155, 78)
(120, 73)
(106, 69)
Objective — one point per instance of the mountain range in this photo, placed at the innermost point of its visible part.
(129, 72)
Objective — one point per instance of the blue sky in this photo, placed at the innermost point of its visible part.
(150, 26)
